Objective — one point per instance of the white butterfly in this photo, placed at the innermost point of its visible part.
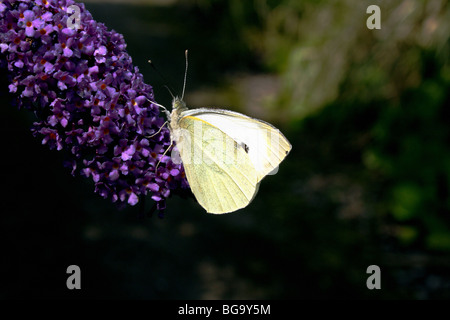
(225, 154)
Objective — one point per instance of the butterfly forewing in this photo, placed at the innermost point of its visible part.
(265, 145)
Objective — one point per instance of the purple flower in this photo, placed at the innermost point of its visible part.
(60, 115)
(26, 20)
(89, 99)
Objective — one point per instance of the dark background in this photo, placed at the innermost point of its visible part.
(366, 183)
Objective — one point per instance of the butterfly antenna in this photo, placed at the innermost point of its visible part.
(162, 77)
(185, 74)
(170, 91)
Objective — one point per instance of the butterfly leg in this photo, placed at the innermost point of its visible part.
(151, 136)
(156, 168)
(162, 107)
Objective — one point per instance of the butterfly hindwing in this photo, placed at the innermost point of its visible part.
(218, 168)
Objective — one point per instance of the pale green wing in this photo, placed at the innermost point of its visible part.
(265, 144)
(219, 170)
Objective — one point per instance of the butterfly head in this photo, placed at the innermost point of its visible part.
(178, 104)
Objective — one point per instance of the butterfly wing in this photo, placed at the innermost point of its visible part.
(219, 170)
(266, 145)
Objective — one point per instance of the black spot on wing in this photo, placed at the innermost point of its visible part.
(238, 144)
(245, 147)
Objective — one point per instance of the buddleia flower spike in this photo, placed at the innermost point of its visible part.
(89, 99)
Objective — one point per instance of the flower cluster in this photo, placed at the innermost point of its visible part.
(89, 99)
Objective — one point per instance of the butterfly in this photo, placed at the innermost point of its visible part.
(225, 154)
